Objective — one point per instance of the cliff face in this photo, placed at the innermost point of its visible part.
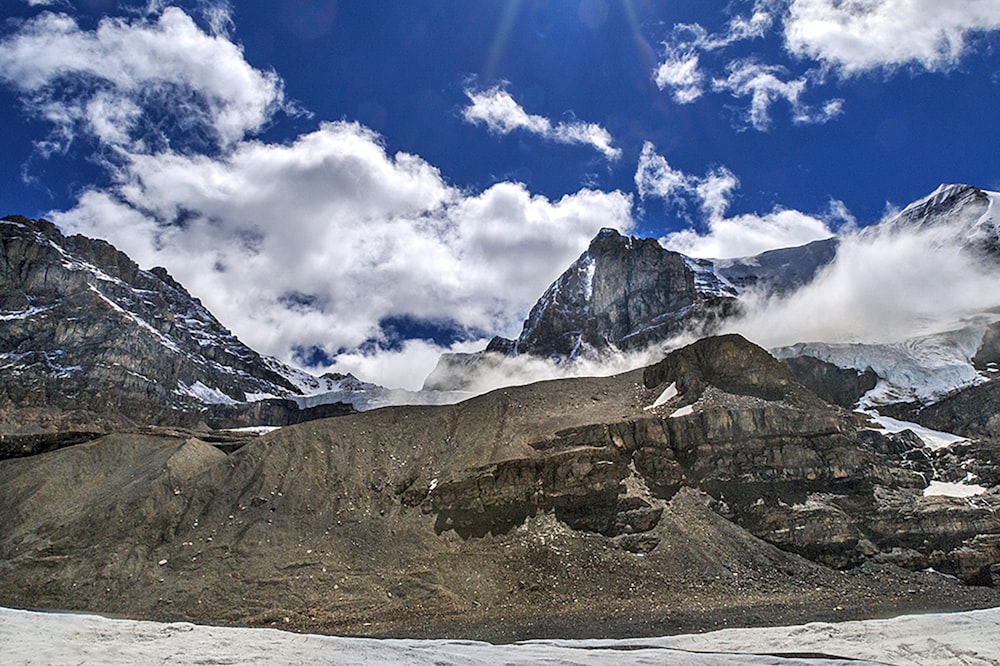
(623, 293)
(88, 339)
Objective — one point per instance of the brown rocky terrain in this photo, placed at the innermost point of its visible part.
(712, 489)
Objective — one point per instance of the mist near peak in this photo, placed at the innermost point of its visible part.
(887, 283)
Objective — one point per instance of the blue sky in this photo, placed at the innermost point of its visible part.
(365, 184)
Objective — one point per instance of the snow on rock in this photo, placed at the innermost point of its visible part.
(668, 394)
(934, 439)
(921, 369)
(205, 394)
(944, 489)
(686, 410)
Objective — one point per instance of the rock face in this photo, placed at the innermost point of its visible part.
(840, 386)
(89, 340)
(622, 292)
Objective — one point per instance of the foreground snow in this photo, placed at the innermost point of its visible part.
(56, 638)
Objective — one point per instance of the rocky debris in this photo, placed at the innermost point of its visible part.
(84, 330)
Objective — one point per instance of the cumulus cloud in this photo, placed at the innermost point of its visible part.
(313, 244)
(855, 37)
(309, 249)
(725, 237)
(501, 114)
(821, 36)
(124, 81)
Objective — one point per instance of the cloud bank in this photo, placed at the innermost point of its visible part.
(887, 284)
(501, 114)
(304, 249)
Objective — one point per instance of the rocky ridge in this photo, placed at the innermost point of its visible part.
(91, 342)
(710, 487)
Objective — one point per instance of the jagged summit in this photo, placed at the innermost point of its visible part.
(86, 335)
(622, 292)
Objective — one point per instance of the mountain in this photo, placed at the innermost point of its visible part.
(89, 342)
(710, 489)
(632, 296)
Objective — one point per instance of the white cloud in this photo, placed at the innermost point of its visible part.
(848, 37)
(681, 74)
(863, 35)
(313, 243)
(684, 72)
(95, 81)
(747, 235)
(885, 285)
(726, 237)
(765, 85)
(500, 113)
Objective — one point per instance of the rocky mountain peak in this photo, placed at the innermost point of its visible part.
(621, 293)
(87, 336)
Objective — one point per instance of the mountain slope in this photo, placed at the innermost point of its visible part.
(706, 490)
(89, 340)
(632, 295)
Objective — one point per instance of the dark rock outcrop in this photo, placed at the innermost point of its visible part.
(840, 386)
(622, 292)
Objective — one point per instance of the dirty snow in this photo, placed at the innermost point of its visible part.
(668, 394)
(58, 638)
(944, 489)
(934, 439)
(686, 410)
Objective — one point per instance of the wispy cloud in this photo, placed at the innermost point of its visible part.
(820, 37)
(501, 114)
(765, 85)
(724, 237)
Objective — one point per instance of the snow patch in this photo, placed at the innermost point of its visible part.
(11, 315)
(257, 397)
(254, 430)
(933, 439)
(945, 489)
(668, 394)
(205, 394)
(686, 410)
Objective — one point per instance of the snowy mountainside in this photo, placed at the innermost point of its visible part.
(84, 330)
(921, 369)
